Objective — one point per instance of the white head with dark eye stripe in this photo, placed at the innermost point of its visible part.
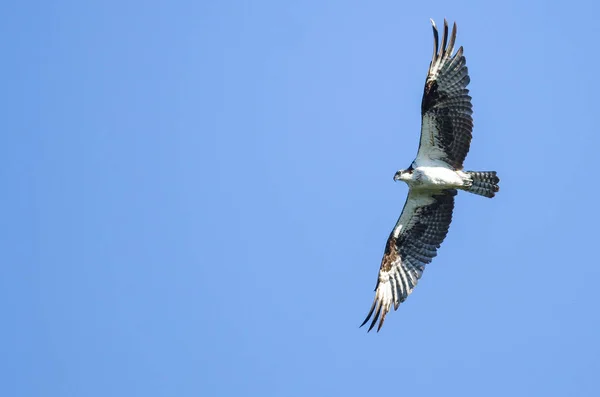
(404, 175)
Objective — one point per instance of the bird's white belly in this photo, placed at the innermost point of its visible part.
(438, 177)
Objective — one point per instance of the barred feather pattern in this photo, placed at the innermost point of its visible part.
(484, 183)
(446, 110)
(413, 243)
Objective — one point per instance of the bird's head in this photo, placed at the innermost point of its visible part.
(403, 175)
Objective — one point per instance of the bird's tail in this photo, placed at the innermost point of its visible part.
(483, 183)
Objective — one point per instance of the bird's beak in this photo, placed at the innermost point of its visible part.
(396, 177)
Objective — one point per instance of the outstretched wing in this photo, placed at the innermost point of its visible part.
(413, 243)
(446, 123)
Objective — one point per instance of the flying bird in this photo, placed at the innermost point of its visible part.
(433, 178)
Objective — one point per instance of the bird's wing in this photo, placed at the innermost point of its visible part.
(446, 123)
(413, 243)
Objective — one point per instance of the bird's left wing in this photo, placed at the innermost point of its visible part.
(446, 123)
(413, 243)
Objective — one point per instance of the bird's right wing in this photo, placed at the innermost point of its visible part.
(413, 243)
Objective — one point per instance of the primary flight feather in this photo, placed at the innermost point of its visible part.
(433, 178)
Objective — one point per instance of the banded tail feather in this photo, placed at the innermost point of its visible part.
(484, 183)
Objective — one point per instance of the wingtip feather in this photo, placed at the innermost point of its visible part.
(385, 312)
(370, 313)
(443, 52)
(377, 313)
(436, 40)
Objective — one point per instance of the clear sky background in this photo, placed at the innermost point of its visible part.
(196, 197)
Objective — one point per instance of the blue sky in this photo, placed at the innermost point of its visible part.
(197, 197)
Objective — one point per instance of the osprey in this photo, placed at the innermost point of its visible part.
(433, 178)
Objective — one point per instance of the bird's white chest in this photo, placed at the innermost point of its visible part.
(441, 177)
